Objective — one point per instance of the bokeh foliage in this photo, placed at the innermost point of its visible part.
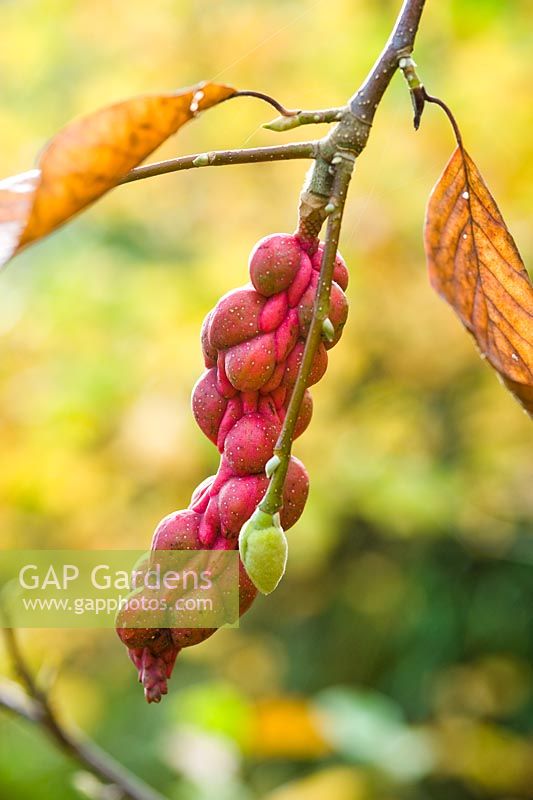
(395, 659)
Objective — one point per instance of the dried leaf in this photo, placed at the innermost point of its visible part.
(88, 157)
(475, 265)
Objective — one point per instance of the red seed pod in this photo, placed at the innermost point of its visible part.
(253, 344)
(249, 402)
(208, 405)
(304, 417)
(247, 591)
(151, 650)
(221, 543)
(268, 409)
(200, 496)
(234, 412)
(154, 658)
(274, 262)
(340, 271)
(338, 310)
(209, 527)
(224, 473)
(237, 500)
(275, 379)
(320, 364)
(141, 658)
(250, 443)
(301, 281)
(274, 312)
(235, 318)
(209, 353)
(338, 314)
(154, 671)
(295, 493)
(279, 396)
(157, 639)
(287, 335)
(249, 365)
(177, 531)
(306, 305)
(224, 385)
(187, 637)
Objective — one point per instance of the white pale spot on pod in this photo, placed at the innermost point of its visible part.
(514, 357)
(465, 195)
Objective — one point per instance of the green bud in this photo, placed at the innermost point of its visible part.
(272, 465)
(281, 124)
(328, 330)
(263, 550)
(201, 161)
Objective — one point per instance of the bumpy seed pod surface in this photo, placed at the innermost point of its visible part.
(274, 263)
(252, 343)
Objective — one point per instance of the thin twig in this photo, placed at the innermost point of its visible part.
(285, 112)
(34, 706)
(223, 158)
(447, 110)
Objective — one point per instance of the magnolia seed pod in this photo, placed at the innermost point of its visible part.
(208, 405)
(224, 385)
(250, 443)
(295, 493)
(306, 305)
(200, 496)
(249, 365)
(209, 527)
(187, 637)
(237, 500)
(301, 281)
(338, 314)
(340, 271)
(157, 639)
(304, 417)
(209, 353)
(318, 368)
(274, 312)
(177, 531)
(274, 381)
(287, 335)
(235, 318)
(234, 412)
(247, 590)
(274, 262)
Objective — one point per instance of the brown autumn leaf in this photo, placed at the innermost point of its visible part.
(88, 157)
(475, 265)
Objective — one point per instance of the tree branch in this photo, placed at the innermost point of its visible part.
(400, 44)
(34, 705)
(355, 118)
(223, 158)
(327, 188)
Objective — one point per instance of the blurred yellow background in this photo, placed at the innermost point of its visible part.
(395, 659)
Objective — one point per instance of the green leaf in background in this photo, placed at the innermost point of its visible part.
(367, 727)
